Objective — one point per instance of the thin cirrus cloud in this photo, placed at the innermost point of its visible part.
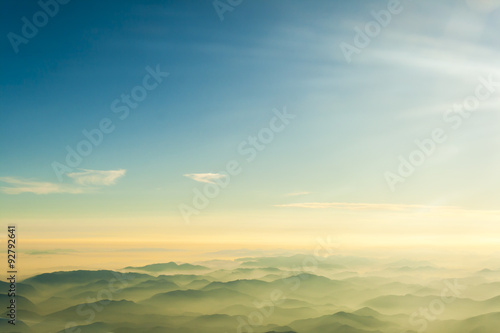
(97, 177)
(205, 177)
(85, 181)
(361, 206)
(20, 185)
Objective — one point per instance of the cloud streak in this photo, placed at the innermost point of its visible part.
(85, 181)
(361, 206)
(20, 185)
(205, 177)
(97, 177)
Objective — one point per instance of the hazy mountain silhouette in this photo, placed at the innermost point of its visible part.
(170, 266)
(369, 296)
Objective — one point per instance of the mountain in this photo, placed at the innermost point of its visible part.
(355, 299)
(23, 289)
(55, 303)
(298, 260)
(22, 303)
(340, 322)
(197, 284)
(147, 289)
(98, 327)
(487, 323)
(20, 326)
(81, 277)
(198, 300)
(170, 266)
(183, 279)
(101, 310)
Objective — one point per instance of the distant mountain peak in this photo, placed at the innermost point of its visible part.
(169, 266)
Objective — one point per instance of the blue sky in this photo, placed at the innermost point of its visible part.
(352, 119)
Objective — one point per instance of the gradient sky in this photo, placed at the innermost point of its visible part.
(323, 174)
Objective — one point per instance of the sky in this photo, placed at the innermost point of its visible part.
(299, 119)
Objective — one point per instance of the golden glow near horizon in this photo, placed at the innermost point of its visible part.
(365, 229)
(386, 140)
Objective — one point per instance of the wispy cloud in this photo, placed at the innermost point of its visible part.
(97, 177)
(19, 185)
(204, 177)
(294, 194)
(85, 181)
(445, 56)
(361, 206)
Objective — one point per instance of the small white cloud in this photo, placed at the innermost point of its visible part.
(294, 194)
(97, 177)
(205, 177)
(19, 185)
